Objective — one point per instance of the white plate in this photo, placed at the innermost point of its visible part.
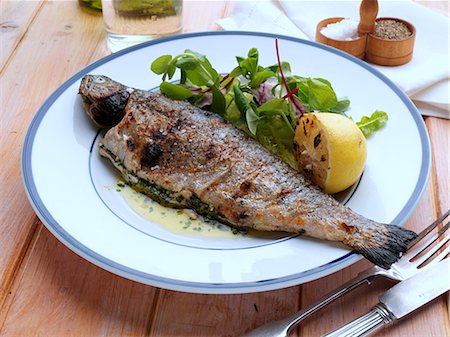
(64, 175)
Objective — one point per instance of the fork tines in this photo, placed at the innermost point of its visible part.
(433, 249)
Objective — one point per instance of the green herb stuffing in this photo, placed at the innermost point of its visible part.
(263, 101)
(165, 197)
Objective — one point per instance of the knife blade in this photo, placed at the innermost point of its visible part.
(399, 301)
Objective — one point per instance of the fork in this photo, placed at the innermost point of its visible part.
(409, 264)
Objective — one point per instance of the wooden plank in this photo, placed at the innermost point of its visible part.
(50, 52)
(439, 131)
(183, 314)
(15, 18)
(207, 13)
(74, 297)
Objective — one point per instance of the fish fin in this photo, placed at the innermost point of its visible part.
(390, 251)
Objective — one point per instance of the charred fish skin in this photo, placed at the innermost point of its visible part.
(195, 159)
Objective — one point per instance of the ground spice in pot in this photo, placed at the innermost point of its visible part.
(391, 30)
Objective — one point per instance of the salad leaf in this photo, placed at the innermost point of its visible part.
(195, 68)
(232, 113)
(175, 91)
(368, 125)
(261, 77)
(341, 106)
(252, 120)
(279, 106)
(187, 63)
(241, 101)
(183, 77)
(277, 135)
(171, 70)
(199, 77)
(205, 66)
(161, 64)
(246, 109)
(276, 128)
(218, 103)
(247, 67)
(317, 94)
(321, 96)
(276, 69)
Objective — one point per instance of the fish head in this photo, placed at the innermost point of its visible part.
(104, 99)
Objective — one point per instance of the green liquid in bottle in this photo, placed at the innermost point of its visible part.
(158, 8)
(93, 4)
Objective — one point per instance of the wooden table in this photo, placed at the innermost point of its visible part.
(47, 290)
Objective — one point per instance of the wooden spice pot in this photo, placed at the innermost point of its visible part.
(390, 52)
(354, 47)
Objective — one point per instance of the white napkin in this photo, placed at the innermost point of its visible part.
(264, 16)
(425, 78)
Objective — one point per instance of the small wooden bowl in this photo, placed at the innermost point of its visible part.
(354, 47)
(390, 52)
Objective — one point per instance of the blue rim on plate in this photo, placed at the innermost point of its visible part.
(92, 256)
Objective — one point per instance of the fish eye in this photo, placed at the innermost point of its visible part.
(99, 79)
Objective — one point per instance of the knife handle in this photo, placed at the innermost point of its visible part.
(376, 318)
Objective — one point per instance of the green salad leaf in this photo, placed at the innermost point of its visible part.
(218, 104)
(276, 129)
(317, 94)
(161, 64)
(277, 136)
(341, 106)
(369, 125)
(175, 91)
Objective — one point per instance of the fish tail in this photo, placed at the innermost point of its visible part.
(387, 246)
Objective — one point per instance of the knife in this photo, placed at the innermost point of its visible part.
(399, 301)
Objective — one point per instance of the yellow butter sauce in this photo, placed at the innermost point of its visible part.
(175, 220)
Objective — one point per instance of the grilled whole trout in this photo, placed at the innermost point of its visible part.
(186, 157)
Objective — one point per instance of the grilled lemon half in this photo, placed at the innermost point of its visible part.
(330, 150)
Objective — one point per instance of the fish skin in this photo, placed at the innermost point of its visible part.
(196, 155)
